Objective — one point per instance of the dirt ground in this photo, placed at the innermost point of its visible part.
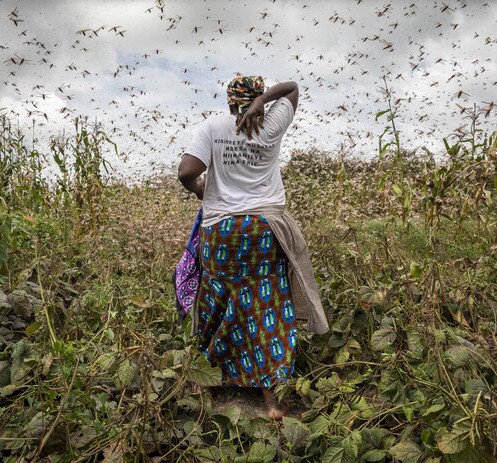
(249, 400)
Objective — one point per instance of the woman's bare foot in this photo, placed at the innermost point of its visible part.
(274, 410)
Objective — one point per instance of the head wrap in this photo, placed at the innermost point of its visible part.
(242, 90)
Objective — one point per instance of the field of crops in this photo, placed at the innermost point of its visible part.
(95, 367)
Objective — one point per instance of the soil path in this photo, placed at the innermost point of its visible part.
(249, 400)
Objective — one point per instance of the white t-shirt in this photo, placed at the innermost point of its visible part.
(241, 173)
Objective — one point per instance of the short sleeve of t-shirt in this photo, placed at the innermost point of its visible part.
(200, 144)
(278, 118)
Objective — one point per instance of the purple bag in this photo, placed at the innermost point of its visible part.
(186, 275)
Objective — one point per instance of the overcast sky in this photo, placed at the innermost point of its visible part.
(149, 71)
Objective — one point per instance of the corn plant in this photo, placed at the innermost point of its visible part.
(399, 182)
(21, 169)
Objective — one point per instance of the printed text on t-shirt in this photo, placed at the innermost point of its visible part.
(238, 152)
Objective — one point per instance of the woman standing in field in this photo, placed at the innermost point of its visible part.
(256, 275)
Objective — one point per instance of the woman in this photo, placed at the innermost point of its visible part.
(256, 277)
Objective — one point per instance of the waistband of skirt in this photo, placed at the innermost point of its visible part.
(211, 217)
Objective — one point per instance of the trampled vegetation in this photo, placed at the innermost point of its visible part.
(95, 367)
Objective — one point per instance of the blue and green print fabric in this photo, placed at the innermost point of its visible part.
(247, 323)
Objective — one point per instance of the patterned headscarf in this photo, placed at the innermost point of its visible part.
(242, 90)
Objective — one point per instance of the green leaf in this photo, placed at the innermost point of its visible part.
(33, 328)
(332, 455)
(319, 427)
(454, 149)
(175, 357)
(328, 385)
(257, 429)
(457, 355)
(475, 386)
(295, 432)
(415, 270)
(366, 409)
(7, 390)
(374, 437)
(107, 361)
(38, 425)
(20, 367)
(211, 453)
(382, 338)
(82, 436)
(397, 190)
(382, 151)
(408, 411)
(351, 444)
(454, 441)
(433, 409)
(303, 386)
(260, 453)
(233, 413)
(342, 356)
(381, 113)
(189, 402)
(126, 373)
(168, 373)
(4, 373)
(374, 455)
(471, 455)
(336, 340)
(406, 451)
(203, 374)
(353, 347)
(4, 301)
(415, 343)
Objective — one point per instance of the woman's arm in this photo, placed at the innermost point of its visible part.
(189, 171)
(254, 116)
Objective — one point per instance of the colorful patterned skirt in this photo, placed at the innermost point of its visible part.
(247, 323)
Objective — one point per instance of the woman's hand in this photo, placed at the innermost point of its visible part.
(253, 118)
